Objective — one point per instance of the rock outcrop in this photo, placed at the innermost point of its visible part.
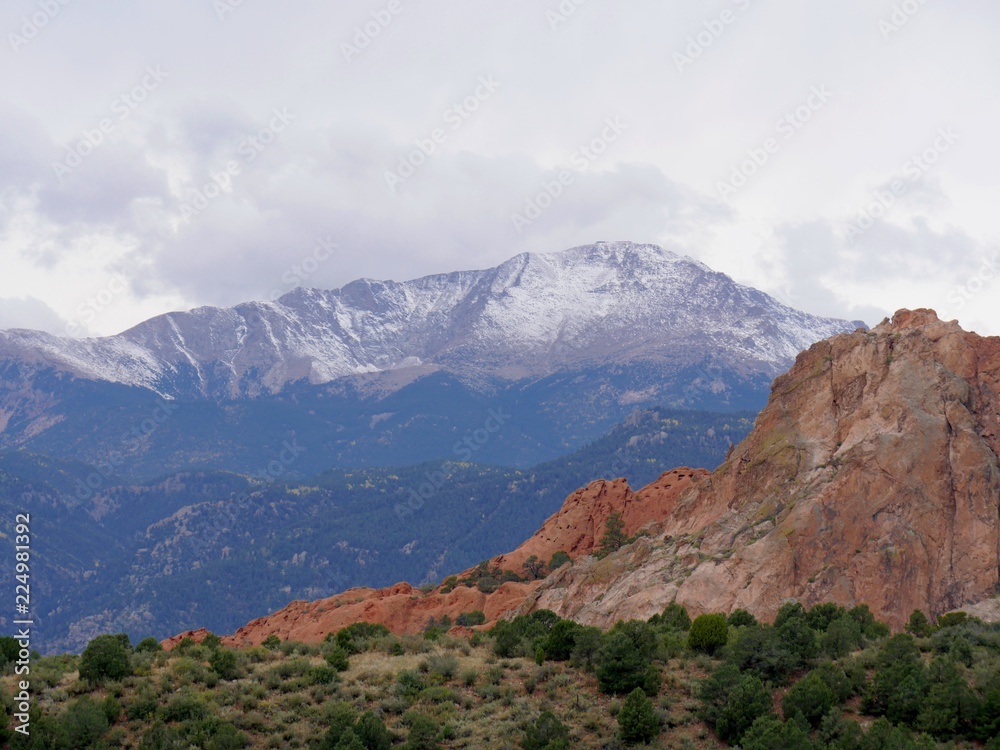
(576, 529)
(871, 476)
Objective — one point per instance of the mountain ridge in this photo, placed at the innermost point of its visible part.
(872, 476)
(528, 317)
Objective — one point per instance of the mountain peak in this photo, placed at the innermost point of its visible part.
(532, 316)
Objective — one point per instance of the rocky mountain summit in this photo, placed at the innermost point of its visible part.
(871, 477)
(528, 317)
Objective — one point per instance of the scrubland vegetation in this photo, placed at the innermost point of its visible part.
(820, 678)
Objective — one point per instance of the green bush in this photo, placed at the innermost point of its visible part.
(106, 657)
(789, 611)
(799, 640)
(918, 624)
(708, 633)
(142, 707)
(820, 616)
(337, 658)
(546, 733)
(637, 720)
(355, 637)
(468, 619)
(740, 618)
(340, 720)
(842, 636)
(760, 650)
(84, 723)
(952, 619)
(621, 667)
(225, 664)
(675, 617)
(423, 733)
(441, 667)
(148, 645)
(372, 732)
(271, 642)
(769, 732)
(748, 700)
(810, 697)
(558, 559)
(185, 707)
(562, 638)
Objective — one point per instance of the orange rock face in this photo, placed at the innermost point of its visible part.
(870, 477)
(576, 529)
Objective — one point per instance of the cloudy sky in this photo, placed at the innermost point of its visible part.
(159, 156)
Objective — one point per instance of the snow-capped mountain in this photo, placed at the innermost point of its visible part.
(531, 317)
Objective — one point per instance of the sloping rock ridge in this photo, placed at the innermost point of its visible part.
(576, 529)
(870, 477)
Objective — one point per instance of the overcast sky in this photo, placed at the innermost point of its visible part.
(159, 156)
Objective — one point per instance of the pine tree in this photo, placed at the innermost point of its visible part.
(637, 720)
(614, 535)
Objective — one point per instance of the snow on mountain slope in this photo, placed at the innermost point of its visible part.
(531, 316)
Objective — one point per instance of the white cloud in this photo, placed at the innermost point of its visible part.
(324, 175)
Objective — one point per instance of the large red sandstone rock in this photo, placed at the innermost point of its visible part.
(870, 477)
(576, 528)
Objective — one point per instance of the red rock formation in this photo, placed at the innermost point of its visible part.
(576, 529)
(871, 476)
